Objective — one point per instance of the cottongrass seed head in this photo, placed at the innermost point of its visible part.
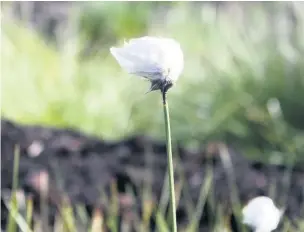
(261, 214)
(160, 60)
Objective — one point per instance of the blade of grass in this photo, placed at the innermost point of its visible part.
(58, 224)
(164, 198)
(161, 222)
(234, 197)
(29, 212)
(185, 189)
(114, 208)
(68, 216)
(97, 221)
(82, 214)
(12, 226)
(194, 224)
(16, 217)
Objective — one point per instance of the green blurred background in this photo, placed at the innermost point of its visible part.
(243, 81)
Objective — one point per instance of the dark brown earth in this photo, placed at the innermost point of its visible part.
(84, 165)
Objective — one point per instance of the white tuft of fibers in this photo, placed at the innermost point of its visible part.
(154, 58)
(261, 214)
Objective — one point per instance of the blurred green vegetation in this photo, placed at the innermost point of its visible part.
(243, 80)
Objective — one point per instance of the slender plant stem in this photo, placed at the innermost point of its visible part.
(170, 161)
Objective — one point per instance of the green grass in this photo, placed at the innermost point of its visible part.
(232, 71)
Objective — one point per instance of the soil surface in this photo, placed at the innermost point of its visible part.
(61, 164)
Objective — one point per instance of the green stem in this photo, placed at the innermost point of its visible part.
(170, 161)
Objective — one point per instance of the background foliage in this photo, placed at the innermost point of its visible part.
(243, 80)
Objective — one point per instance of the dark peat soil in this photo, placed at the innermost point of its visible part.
(60, 164)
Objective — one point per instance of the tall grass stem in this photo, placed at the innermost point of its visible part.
(170, 161)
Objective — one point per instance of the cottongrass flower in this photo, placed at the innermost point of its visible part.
(160, 60)
(261, 214)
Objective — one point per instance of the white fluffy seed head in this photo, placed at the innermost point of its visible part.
(154, 58)
(261, 214)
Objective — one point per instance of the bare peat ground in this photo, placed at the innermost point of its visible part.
(69, 162)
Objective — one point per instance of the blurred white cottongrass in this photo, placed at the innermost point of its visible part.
(160, 60)
(274, 108)
(261, 214)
